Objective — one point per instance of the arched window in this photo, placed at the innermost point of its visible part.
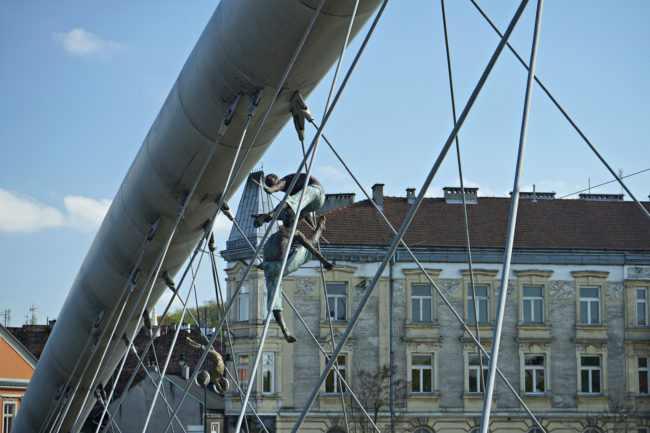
(592, 430)
(422, 430)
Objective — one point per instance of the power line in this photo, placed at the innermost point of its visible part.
(605, 183)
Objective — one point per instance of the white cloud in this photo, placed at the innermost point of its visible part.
(222, 224)
(22, 214)
(331, 173)
(85, 214)
(82, 43)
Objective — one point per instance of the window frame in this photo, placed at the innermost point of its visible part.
(8, 419)
(589, 301)
(475, 367)
(421, 299)
(643, 303)
(421, 369)
(535, 369)
(645, 370)
(532, 300)
(245, 369)
(590, 370)
(335, 382)
(243, 304)
(486, 298)
(336, 297)
(270, 369)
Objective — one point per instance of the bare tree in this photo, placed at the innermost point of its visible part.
(373, 391)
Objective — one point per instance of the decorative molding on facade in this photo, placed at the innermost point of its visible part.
(533, 273)
(361, 286)
(562, 290)
(398, 288)
(638, 273)
(485, 273)
(305, 286)
(615, 290)
(450, 287)
(589, 274)
(512, 287)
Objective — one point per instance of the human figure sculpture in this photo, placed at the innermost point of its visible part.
(216, 374)
(312, 201)
(274, 251)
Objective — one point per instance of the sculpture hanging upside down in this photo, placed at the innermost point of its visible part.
(311, 202)
(274, 250)
(216, 374)
(277, 244)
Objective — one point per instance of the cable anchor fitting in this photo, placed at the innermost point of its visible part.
(255, 102)
(230, 112)
(168, 280)
(300, 112)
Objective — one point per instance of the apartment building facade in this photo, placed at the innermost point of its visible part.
(575, 344)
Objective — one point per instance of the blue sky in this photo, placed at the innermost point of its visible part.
(81, 83)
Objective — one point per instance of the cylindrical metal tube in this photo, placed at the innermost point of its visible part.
(245, 46)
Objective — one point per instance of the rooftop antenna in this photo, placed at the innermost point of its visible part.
(589, 185)
(32, 309)
(534, 194)
(7, 316)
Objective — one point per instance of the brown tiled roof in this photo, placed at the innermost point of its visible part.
(33, 337)
(544, 224)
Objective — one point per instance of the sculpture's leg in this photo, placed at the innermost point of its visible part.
(277, 314)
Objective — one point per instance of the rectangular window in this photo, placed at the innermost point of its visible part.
(642, 306)
(533, 304)
(214, 427)
(590, 305)
(268, 372)
(337, 300)
(242, 304)
(242, 371)
(332, 382)
(590, 375)
(474, 379)
(421, 374)
(643, 365)
(534, 374)
(421, 303)
(483, 302)
(8, 415)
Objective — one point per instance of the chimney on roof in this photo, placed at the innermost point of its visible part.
(454, 194)
(378, 195)
(602, 197)
(536, 195)
(410, 195)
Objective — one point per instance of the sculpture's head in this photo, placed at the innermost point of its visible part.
(271, 179)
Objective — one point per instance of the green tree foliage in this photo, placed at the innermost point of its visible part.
(209, 312)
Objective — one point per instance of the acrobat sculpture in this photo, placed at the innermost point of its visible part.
(277, 244)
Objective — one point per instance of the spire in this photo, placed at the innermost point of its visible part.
(253, 201)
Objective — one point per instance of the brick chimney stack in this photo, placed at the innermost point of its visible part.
(378, 195)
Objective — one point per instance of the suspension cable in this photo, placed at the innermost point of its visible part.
(291, 186)
(128, 288)
(410, 215)
(251, 111)
(512, 223)
(481, 349)
(566, 116)
(462, 188)
(155, 271)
